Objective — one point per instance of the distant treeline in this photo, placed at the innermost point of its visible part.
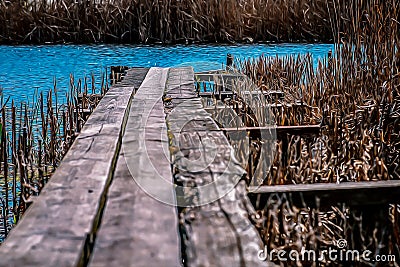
(171, 21)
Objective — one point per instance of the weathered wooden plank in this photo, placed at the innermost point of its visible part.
(275, 105)
(222, 95)
(133, 77)
(217, 95)
(232, 93)
(353, 193)
(59, 227)
(280, 130)
(137, 229)
(215, 76)
(215, 227)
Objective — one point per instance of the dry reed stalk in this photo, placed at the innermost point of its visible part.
(34, 144)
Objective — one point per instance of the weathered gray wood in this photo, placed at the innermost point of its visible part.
(133, 77)
(137, 229)
(59, 227)
(352, 193)
(202, 76)
(280, 130)
(216, 233)
(222, 95)
(217, 95)
(240, 106)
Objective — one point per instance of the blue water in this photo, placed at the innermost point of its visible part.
(24, 68)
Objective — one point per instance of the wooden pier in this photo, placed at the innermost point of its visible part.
(137, 188)
(94, 212)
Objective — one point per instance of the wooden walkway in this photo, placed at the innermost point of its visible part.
(60, 226)
(215, 226)
(151, 181)
(111, 201)
(138, 230)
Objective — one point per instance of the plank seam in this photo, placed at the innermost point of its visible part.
(91, 237)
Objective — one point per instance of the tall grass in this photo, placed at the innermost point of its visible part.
(166, 21)
(34, 139)
(356, 92)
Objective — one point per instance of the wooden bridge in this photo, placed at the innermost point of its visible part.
(129, 191)
(94, 213)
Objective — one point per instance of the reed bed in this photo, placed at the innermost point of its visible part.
(355, 92)
(171, 21)
(360, 129)
(286, 226)
(354, 95)
(34, 139)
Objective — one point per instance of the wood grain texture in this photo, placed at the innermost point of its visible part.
(217, 233)
(133, 77)
(137, 229)
(59, 227)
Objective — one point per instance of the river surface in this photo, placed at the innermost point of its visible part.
(23, 69)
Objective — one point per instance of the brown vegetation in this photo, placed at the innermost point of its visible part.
(34, 139)
(356, 92)
(165, 21)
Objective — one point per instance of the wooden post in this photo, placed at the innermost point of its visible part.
(229, 62)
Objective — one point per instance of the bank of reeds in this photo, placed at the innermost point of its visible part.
(285, 226)
(166, 21)
(356, 93)
(35, 137)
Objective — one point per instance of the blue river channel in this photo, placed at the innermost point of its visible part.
(23, 69)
